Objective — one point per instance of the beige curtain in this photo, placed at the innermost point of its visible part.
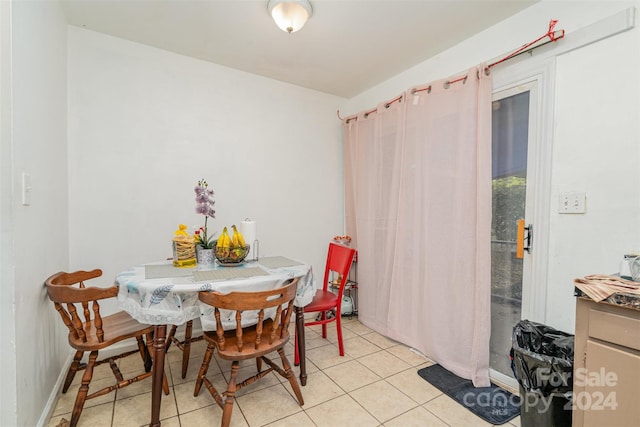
(418, 206)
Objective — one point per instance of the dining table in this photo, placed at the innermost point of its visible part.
(160, 294)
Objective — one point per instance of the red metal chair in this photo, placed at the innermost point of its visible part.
(339, 260)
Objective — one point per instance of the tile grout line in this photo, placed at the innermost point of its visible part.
(369, 336)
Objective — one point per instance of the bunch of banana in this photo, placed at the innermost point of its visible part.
(231, 247)
(237, 244)
(223, 247)
(237, 239)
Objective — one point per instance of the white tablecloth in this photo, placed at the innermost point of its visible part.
(174, 299)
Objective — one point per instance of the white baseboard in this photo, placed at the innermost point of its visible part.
(121, 347)
(53, 397)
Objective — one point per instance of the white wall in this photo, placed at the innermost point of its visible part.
(146, 124)
(38, 243)
(595, 142)
(596, 151)
(491, 44)
(8, 401)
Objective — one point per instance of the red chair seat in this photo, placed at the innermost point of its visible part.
(323, 300)
(339, 260)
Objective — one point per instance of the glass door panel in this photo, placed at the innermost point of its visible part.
(510, 127)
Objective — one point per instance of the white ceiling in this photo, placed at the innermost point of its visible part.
(345, 48)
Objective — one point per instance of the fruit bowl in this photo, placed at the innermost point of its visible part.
(233, 255)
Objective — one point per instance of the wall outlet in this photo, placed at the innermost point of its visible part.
(572, 203)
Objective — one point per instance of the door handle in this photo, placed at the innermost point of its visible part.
(524, 242)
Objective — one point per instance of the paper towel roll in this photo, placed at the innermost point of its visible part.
(249, 230)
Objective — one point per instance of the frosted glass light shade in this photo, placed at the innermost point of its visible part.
(290, 15)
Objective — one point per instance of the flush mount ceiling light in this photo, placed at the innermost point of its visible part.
(290, 15)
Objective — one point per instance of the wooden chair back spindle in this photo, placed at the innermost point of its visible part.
(241, 302)
(68, 299)
(90, 331)
(269, 334)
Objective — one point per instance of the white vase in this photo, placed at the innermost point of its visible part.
(204, 256)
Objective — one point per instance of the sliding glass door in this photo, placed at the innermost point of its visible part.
(511, 119)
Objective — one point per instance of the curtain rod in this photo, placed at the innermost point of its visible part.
(553, 37)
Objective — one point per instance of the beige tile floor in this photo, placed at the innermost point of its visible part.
(374, 384)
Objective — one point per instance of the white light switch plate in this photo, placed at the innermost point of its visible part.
(572, 203)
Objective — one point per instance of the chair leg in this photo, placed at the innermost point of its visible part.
(204, 368)
(324, 325)
(170, 335)
(339, 330)
(230, 394)
(165, 384)
(186, 347)
(84, 389)
(149, 356)
(290, 376)
(75, 365)
(296, 352)
(144, 354)
(148, 362)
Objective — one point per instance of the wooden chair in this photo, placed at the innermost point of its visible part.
(339, 260)
(91, 332)
(184, 345)
(253, 342)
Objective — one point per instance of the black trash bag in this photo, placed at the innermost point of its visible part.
(542, 358)
(542, 362)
